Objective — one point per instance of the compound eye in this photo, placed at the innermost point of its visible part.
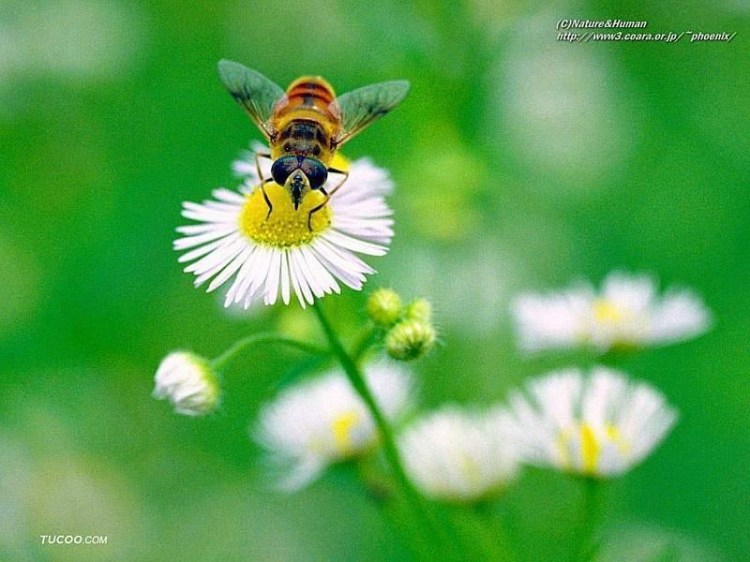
(315, 171)
(282, 167)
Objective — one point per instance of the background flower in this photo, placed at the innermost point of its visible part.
(627, 312)
(599, 424)
(459, 455)
(323, 420)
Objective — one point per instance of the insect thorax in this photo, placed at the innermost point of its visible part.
(303, 137)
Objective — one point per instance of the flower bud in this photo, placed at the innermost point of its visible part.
(410, 339)
(188, 382)
(419, 309)
(384, 307)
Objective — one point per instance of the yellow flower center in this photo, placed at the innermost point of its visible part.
(342, 427)
(587, 442)
(607, 312)
(284, 227)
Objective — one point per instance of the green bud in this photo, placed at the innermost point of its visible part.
(384, 307)
(419, 309)
(410, 339)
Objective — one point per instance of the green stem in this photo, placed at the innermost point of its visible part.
(363, 344)
(242, 344)
(614, 357)
(380, 492)
(493, 533)
(390, 450)
(584, 547)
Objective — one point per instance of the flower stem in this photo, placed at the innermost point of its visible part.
(241, 344)
(363, 345)
(495, 536)
(584, 547)
(386, 433)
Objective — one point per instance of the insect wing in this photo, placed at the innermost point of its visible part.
(362, 106)
(253, 91)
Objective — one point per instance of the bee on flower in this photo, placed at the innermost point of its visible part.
(292, 229)
(269, 257)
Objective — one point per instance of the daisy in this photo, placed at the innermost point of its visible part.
(598, 425)
(322, 421)
(627, 312)
(188, 382)
(459, 455)
(268, 256)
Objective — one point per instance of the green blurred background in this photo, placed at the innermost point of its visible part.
(521, 163)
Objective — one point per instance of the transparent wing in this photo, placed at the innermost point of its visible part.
(253, 91)
(361, 107)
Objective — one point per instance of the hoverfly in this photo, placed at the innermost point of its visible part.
(306, 124)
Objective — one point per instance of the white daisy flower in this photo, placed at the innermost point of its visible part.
(323, 420)
(188, 382)
(459, 455)
(598, 425)
(267, 256)
(625, 313)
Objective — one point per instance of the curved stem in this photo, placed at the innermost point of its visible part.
(390, 450)
(241, 344)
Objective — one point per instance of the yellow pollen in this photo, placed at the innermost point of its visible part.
(283, 227)
(608, 312)
(589, 449)
(614, 436)
(340, 162)
(590, 443)
(342, 427)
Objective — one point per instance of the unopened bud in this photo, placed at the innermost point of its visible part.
(419, 309)
(384, 307)
(410, 339)
(188, 382)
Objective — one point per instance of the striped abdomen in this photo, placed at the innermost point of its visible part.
(303, 120)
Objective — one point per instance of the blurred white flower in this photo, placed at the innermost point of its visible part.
(640, 542)
(597, 425)
(323, 420)
(71, 39)
(459, 455)
(626, 313)
(271, 255)
(436, 270)
(188, 382)
(543, 92)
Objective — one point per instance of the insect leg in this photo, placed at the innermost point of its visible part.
(328, 195)
(265, 196)
(258, 156)
(335, 189)
(263, 181)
